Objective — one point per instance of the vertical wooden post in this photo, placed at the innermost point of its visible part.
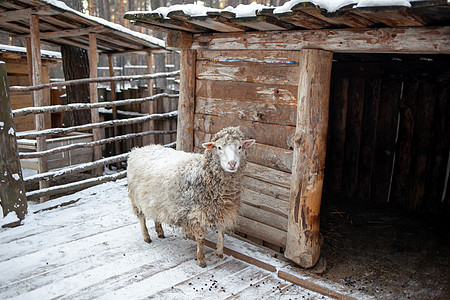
(38, 96)
(12, 190)
(148, 107)
(114, 109)
(186, 104)
(303, 237)
(95, 118)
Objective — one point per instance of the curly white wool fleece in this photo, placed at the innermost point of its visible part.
(184, 189)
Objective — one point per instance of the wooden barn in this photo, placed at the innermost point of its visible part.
(353, 103)
(18, 75)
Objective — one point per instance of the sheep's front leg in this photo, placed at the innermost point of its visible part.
(144, 229)
(200, 238)
(219, 249)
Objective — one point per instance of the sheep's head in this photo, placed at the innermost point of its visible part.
(229, 145)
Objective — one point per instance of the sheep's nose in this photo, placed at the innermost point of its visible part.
(232, 164)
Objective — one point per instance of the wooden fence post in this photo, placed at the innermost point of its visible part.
(148, 107)
(186, 104)
(303, 237)
(93, 59)
(38, 96)
(12, 190)
(114, 109)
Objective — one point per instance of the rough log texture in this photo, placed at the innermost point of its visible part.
(303, 238)
(38, 96)
(95, 117)
(412, 40)
(186, 104)
(12, 190)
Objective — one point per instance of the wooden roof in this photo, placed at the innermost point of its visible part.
(60, 25)
(303, 16)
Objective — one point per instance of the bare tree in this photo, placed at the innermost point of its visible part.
(75, 63)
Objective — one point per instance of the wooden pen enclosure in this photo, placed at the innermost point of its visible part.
(389, 131)
(256, 90)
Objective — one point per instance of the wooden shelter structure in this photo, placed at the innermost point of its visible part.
(373, 82)
(54, 23)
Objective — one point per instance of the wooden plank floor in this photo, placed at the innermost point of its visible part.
(93, 249)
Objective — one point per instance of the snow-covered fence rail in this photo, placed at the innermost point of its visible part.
(131, 119)
(25, 89)
(78, 106)
(111, 123)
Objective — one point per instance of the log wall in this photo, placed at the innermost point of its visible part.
(389, 129)
(254, 90)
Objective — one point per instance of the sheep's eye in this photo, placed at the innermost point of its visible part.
(220, 148)
(240, 147)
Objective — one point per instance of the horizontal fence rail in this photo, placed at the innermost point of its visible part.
(37, 154)
(25, 89)
(79, 106)
(23, 135)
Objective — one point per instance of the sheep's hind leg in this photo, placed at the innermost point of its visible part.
(144, 229)
(219, 248)
(159, 230)
(201, 250)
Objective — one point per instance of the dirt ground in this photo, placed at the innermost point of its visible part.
(386, 254)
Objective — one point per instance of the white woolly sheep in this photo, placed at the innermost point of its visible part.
(197, 192)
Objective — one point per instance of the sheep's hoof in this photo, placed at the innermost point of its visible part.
(161, 236)
(148, 240)
(220, 255)
(202, 264)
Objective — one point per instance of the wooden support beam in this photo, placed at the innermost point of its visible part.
(12, 189)
(186, 104)
(179, 40)
(406, 40)
(34, 52)
(95, 118)
(149, 107)
(303, 237)
(114, 108)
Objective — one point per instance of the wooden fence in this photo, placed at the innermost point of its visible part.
(12, 188)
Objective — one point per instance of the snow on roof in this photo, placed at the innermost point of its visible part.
(111, 25)
(250, 10)
(15, 49)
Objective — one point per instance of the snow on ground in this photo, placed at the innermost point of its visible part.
(89, 245)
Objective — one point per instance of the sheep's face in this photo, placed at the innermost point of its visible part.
(229, 152)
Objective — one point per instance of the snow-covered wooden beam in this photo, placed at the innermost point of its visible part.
(78, 106)
(76, 169)
(407, 40)
(23, 135)
(28, 155)
(22, 89)
(79, 185)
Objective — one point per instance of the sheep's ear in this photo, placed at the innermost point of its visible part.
(209, 145)
(248, 143)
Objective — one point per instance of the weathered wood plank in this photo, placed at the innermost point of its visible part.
(368, 136)
(265, 202)
(265, 133)
(394, 16)
(385, 142)
(335, 159)
(255, 111)
(246, 66)
(263, 216)
(266, 188)
(186, 104)
(267, 233)
(381, 40)
(303, 236)
(353, 136)
(244, 91)
(93, 94)
(268, 175)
